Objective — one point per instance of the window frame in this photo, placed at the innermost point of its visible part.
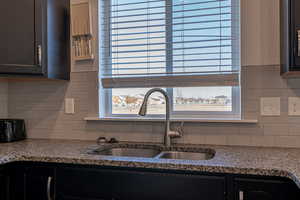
(105, 95)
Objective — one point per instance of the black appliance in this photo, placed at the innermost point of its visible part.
(12, 130)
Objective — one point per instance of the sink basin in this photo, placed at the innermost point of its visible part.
(187, 155)
(128, 152)
(152, 151)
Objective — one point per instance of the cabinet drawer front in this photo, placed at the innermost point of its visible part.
(258, 189)
(136, 185)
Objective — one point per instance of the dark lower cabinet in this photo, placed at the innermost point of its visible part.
(107, 184)
(38, 181)
(265, 189)
(29, 182)
(254, 189)
(4, 182)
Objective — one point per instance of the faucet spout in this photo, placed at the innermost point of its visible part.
(143, 112)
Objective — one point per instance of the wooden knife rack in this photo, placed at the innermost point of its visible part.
(82, 32)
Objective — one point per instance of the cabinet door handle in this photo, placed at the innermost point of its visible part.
(49, 188)
(241, 195)
(39, 55)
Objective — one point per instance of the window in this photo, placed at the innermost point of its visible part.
(191, 48)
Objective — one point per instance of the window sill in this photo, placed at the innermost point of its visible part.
(129, 119)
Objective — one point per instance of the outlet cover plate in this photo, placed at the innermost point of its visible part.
(69, 106)
(270, 106)
(294, 106)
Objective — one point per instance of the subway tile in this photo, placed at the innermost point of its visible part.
(293, 83)
(256, 129)
(271, 79)
(252, 94)
(294, 129)
(251, 105)
(216, 139)
(238, 140)
(263, 141)
(276, 129)
(250, 115)
(287, 141)
(193, 139)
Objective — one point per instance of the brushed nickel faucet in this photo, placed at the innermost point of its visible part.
(168, 133)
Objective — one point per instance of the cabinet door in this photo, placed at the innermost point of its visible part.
(86, 184)
(20, 36)
(4, 186)
(16, 182)
(257, 189)
(295, 31)
(28, 182)
(104, 184)
(39, 183)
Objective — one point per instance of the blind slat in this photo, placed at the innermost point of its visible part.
(180, 42)
(138, 33)
(201, 9)
(183, 48)
(155, 7)
(138, 15)
(200, 2)
(136, 9)
(187, 60)
(163, 56)
(175, 24)
(198, 29)
(135, 3)
(155, 1)
(204, 15)
(134, 27)
(179, 30)
(134, 21)
(181, 17)
(163, 68)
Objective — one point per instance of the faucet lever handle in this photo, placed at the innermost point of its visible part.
(174, 134)
(180, 129)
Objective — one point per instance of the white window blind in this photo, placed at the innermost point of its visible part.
(170, 43)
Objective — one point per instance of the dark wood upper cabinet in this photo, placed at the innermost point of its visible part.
(34, 38)
(290, 38)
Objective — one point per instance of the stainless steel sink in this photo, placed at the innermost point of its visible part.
(128, 152)
(152, 151)
(187, 155)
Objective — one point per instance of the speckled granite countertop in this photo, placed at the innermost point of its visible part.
(236, 160)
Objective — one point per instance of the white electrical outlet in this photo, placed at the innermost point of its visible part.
(69, 106)
(270, 106)
(294, 106)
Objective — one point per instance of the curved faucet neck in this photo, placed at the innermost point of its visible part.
(167, 99)
(143, 111)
